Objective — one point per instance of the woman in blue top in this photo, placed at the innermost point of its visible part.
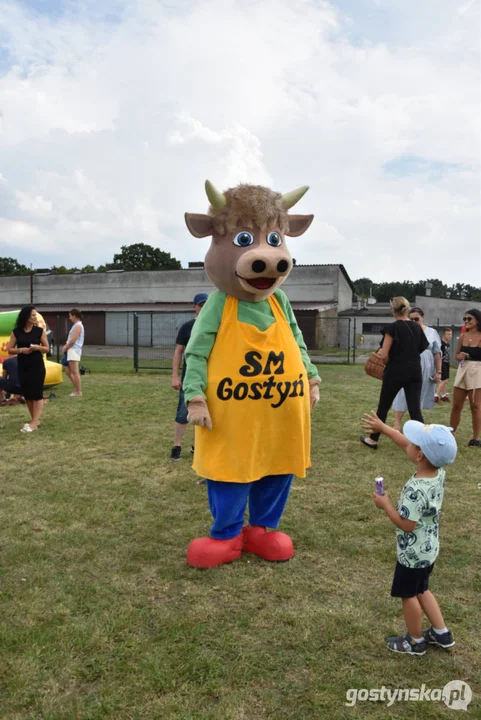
(73, 349)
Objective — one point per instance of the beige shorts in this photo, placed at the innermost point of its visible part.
(468, 376)
(73, 355)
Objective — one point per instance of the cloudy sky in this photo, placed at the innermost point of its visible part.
(113, 113)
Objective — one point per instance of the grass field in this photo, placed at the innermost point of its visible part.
(102, 618)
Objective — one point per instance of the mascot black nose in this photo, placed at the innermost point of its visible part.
(282, 265)
(258, 266)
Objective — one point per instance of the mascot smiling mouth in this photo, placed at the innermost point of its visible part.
(259, 283)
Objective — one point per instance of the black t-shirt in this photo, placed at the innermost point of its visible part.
(185, 331)
(11, 366)
(445, 354)
(25, 339)
(409, 341)
(34, 360)
(183, 336)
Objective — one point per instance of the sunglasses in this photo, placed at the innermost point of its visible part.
(467, 319)
(416, 319)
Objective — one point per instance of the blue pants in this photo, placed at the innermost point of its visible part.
(9, 387)
(181, 414)
(267, 499)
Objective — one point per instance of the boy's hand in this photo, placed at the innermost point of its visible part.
(381, 501)
(371, 423)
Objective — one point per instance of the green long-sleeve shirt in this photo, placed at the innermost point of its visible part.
(207, 325)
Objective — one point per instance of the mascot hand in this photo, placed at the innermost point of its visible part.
(314, 391)
(198, 412)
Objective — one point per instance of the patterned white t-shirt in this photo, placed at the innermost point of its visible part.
(420, 501)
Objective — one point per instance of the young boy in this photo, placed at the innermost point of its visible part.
(441, 393)
(429, 448)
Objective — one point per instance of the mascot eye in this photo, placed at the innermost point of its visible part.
(274, 239)
(243, 239)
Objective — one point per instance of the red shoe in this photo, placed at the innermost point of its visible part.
(207, 552)
(436, 398)
(445, 398)
(274, 546)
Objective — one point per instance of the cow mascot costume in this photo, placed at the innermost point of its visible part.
(250, 384)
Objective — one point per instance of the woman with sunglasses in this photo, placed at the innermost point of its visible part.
(401, 347)
(430, 368)
(468, 377)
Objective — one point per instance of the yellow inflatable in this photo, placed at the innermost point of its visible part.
(7, 323)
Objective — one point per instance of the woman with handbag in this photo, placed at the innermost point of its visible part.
(430, 370)
(401, 347)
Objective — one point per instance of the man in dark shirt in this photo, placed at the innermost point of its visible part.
(183, 337)
(9, 381)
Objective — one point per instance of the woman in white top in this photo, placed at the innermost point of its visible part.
(73, 348)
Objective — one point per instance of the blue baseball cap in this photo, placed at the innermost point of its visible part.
(200, 298)
(436, 441)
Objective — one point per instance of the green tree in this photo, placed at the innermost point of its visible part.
(474, 293)
(10, 266)
(386, 291)
(145, 257)
(62, 270)
(88, 269)
(463, 291)
(383, 292)
(363, 287)
(439, 289)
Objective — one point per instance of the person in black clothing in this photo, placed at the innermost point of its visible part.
(29, 341)
(183, 337)
(401, 347)
(9, 382)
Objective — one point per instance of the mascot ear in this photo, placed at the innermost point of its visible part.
(298, 224)
(200, 226)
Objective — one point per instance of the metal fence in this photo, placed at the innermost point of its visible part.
(154, 335)
(149, 337)
(337, 339)
(365, 343)
(333, 341)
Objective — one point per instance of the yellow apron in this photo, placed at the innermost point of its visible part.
(258, 398)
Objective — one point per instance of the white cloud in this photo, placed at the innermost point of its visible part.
(17, 235)
(112, 116)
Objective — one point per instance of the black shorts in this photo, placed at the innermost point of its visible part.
(408, 582)
(444, 371)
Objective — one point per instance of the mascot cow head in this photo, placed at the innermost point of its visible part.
(248, 257)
